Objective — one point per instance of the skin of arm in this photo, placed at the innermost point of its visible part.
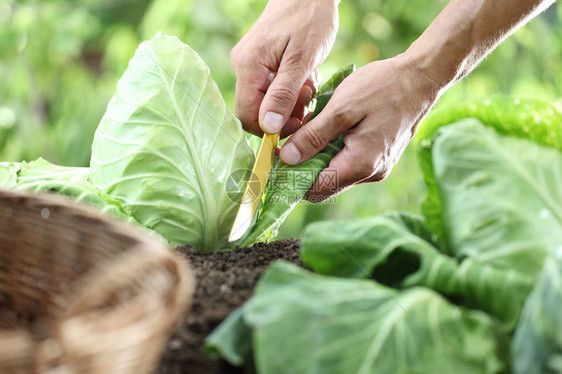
(379, 107)
(466, 31)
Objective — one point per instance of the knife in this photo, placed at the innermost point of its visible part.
(255, 187)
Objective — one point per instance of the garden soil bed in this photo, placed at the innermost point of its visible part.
(225, 280)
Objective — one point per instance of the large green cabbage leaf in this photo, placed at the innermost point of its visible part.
(287, 185)
(501, 200)
(537, 344)
(232, 339)
(167, 145)
(303, 323)
(398, 250)
(534, 120)
(40, 176)
(9, 174)
(352, 248)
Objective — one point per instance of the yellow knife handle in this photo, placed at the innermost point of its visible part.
(256, 185)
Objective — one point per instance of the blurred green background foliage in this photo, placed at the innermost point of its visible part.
(60, 62)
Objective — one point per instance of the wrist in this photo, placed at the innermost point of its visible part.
(423, 74)
(433, 63)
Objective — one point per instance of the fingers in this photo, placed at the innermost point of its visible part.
(366, 157)
(315, 135)
(283, 93)
(251, 84)
(305, 96)
(349, 167)
(300, 110)
(292, 125)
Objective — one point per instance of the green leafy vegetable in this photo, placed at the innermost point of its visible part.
(286, 188)
(537, 344)
(358, 326)
(397, 249)
(167, 145)
(500, 196)
(327, 89)
(9, 174)
(42, 176)
(352, 248)
(255, 142)
(287, 185)
(494, 212)
(170, 154)
(232, 340)
(534, 120)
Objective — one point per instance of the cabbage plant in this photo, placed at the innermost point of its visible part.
(40, 176)
(168, 148)
(167, 145)
(484, 258)
(170, 156)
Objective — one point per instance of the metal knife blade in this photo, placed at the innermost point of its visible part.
(255, 187)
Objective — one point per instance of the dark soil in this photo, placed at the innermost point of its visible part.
(225, 280)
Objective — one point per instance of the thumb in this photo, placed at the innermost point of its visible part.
(281, 96)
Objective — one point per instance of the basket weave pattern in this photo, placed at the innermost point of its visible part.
(80, 293)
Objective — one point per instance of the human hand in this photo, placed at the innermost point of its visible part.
(275, 63)
(377, 109)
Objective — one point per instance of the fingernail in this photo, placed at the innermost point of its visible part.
(270, 77)
(290, 154)
(272, 122)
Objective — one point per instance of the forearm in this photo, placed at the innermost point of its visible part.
(465, 32)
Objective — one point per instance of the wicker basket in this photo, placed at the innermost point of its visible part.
(80, 293)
